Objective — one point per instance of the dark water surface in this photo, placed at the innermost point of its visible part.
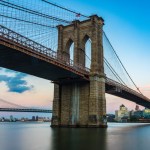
(39, 136)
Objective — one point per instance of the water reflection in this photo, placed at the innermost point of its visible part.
(78, 139)
(39, 136)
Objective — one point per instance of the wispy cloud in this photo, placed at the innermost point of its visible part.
(16, 83)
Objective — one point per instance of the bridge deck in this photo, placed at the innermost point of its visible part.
(22, 62)
(20, 54)
(29, 54)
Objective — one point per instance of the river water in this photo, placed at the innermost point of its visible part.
(39, 136)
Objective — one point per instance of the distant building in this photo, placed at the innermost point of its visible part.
(146, 113)
(3, 119)
(122, 113)
(24, 119)
(138, 114)
(41, 119)
(37, 118)
(33, 118)
(110, 117)
(11, 118)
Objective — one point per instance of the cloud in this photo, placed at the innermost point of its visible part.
(15, 83)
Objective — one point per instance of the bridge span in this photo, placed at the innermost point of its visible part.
(25, 110)
(24, 55)
(79, 91)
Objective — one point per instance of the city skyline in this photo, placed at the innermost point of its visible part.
(129, 34)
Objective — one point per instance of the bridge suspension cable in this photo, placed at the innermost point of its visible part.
(111, 69)
(114, 72)
(39, 23)
(54, 4)
(120, 62)
(8, 4)
(12, 105)
(36, 19)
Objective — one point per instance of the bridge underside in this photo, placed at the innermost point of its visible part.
(74, 103)
(19, 61)
(112, 89)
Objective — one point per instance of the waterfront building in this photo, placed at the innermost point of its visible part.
(122, 113)
(33, 118)
(37, 118)
(110, 117)
(41, 119)
(138, 114)
(146, 113)
(11, 118)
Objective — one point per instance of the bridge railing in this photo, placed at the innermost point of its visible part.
(18, 39)
(112, 82)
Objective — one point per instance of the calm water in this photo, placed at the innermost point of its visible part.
(39, 136)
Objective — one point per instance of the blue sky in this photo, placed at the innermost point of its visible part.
(127, 24)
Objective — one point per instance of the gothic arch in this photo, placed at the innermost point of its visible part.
(68, 45)
(86, 47)
(69, 48)
(85, 39)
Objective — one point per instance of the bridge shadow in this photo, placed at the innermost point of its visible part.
(78, 139)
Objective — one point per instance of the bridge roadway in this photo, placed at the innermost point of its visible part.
(24, 55)
(25, 110)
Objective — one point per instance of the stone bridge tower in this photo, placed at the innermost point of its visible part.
(81, 104)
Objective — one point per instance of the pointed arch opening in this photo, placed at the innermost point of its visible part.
(70, 49)
(87, 46)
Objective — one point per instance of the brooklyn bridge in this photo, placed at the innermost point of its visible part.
(73, 51)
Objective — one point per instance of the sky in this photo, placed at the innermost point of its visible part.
(127, 25)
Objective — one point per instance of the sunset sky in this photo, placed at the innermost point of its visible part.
(127, 25)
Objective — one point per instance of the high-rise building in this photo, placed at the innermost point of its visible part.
(37, 118)
(122, 113)
(33, 118)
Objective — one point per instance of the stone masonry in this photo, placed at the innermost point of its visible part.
(81, 104)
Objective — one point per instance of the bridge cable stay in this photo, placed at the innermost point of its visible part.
(36, 19)
(114, 72)
(23, 25)
(54, 4)
(111, 58)
(111, 70)
(38, 22)
(11, 5)
(27, 21)
(20, 16)
(108, 65)
(18, 7)
(119, 61)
